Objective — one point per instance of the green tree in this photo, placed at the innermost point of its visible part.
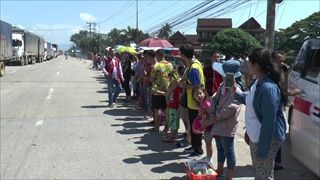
(124, 36)
(88, 44)
(233, 41)
(76, 38)
(165, 32)
(290, 39)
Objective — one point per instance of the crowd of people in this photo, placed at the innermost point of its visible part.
(208, 100)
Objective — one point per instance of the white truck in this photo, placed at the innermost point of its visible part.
(5, 45)
(48, 51)
(27, 47)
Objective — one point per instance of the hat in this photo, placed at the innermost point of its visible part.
(230, 66)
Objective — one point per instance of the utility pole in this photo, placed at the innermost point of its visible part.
(99, 40)
(269, 41)
(89, 27)
(137, 21)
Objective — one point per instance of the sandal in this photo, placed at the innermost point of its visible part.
(154, 130)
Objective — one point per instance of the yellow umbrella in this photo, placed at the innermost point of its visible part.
(129, 50)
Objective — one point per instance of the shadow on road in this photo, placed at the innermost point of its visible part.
(121, 112)
(94, 106)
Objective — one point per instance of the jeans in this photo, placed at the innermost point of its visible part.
(113, 92)
(225, 148)
(278, 157)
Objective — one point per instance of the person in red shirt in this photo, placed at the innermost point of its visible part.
(213, 79)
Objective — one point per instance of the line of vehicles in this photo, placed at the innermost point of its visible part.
(22, 47)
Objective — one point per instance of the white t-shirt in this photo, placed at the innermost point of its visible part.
(253, 125)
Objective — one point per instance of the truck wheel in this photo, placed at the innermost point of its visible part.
(22, 61)
(26, 61)
(33, 60)
(2, 68)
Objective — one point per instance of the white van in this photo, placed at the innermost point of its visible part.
(304, 119)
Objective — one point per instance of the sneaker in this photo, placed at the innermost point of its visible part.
(194, 154)
(278, 166)
(189, 149)
(111, 106)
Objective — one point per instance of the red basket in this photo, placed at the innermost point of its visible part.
(192, 176)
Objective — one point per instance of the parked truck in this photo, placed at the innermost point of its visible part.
(5, 45)
(48, 51)
(55, 50)
(40, 57)
(26, 47)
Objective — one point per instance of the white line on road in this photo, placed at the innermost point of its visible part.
(12, 72)
(57, 73)
(39, 123)
(50, 93)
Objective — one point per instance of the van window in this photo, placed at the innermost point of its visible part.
(313, 65)
(299, 64)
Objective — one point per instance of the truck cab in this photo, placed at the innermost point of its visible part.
(18, 48)
(304, 119)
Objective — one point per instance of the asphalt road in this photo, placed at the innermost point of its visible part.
(55, 124)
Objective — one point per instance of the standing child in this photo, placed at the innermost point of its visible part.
(201, 97)
(173, 98)
(224, 112)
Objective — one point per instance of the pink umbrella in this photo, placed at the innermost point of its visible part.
(155, 42)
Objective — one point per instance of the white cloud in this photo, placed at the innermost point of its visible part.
(87, 17)
(56, 33)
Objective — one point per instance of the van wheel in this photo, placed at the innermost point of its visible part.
(2, 68)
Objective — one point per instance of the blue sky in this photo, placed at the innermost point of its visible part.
(57, 20)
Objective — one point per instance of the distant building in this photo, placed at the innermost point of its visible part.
(207, 28)
(178, 39)
(254, 28)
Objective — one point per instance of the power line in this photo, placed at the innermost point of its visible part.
(118, 12)
(286, 3)
(157, 13)
(228, 8)
(132, 16)
(179, 16)
(256, 8)
(225, 10)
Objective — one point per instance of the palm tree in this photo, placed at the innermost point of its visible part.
(165, 31)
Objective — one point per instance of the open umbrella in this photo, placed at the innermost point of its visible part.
(156, 42)
(125, 49)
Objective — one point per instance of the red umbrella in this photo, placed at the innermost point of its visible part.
(155, 42)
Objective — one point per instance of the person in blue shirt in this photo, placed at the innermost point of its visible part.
(265, 122)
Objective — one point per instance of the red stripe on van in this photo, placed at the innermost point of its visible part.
(302, 105)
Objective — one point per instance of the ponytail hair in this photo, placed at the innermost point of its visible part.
(262, 57)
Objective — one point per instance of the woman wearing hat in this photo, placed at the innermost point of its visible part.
(224, 112)
(265, 121)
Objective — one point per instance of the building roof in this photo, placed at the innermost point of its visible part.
(177, 36)
(214, 24)
(192, 39)
(251, 25)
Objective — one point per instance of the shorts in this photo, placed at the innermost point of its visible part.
(173, 118)
(158, 102)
